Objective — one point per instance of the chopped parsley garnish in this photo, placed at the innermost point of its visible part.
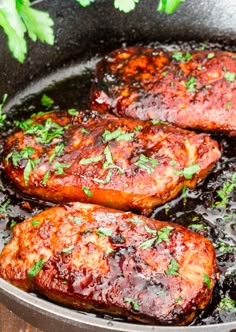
(161, 235)
(191, 84)
(207, 280)
(179, 299)
(73, 111)
(46, 132)
(227, 304)
(84, 131)
(179, 56)
(118, 135)
(68, 250)
(148, 164)
(155, 122)
(211, 55)
(224, 247)
(134, 303)
(138, 128)
(198, 227)
(229, 104)
(188, 171)
(2, 116)
(36, 268)
(230, 76)
(109, 161)
(224, 193)
(136, 220)
(57, 152)
(87, 191)
(76, 220)
(45, 178)
(106, 180)
(104, 231)
(87, 161)
(59, 167)
(35, 222)
(12, 224)
(47, 101)
(173, 268)
(4, 206)
(25, 154)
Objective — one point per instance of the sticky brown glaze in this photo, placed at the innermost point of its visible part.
(118, 178)
(191, 90)
(95, 258)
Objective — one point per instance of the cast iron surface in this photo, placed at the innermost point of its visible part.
(82, 33)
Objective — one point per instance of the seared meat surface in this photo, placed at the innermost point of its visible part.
(191, 90)
(103, 260)
(117, 162)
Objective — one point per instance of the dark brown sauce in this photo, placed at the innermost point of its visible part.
(194, 207)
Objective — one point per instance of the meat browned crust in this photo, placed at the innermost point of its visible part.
(103, 260)
(191, 90)
(117, 162)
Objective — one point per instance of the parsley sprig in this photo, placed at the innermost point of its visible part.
(18, 18)
(160, 236)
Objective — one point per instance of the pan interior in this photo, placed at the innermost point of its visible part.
(195, 209)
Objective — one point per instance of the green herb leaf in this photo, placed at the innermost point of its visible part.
(180, 56)
(179, 299)
(148, 243)
(168, 6)
(87, 161)
(225, 193)
(230, 76)
(103, 231)
(134, 303)
(45, 178)
(118, 135)
(47, 101)
(210, 55)
(13, 223)
(58, 151)
(36, 268)
(2, 116)
(227, 304)
(68, 250)
(207, 280)
(191, 84)
(173, 268)
(85, 3)
(148, 164)
(136, 220)
(73, 111)
(125, 5)
(38, 23)
(59, 167)
(76, 220)
(197, 227)
(138, 128)
(4, 206)
(164, 233)
(35, 222)
(224, 247)
(106, 180)
(109, 161)
(84, 131)
(150, 230)
(30, 166)
(87, 191)
(156, 122)
(46, 132)
(188, 171)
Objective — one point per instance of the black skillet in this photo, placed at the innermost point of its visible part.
(80, 35)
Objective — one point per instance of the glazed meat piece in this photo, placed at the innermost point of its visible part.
(103, 260)
(117, 162)
(191, 90)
